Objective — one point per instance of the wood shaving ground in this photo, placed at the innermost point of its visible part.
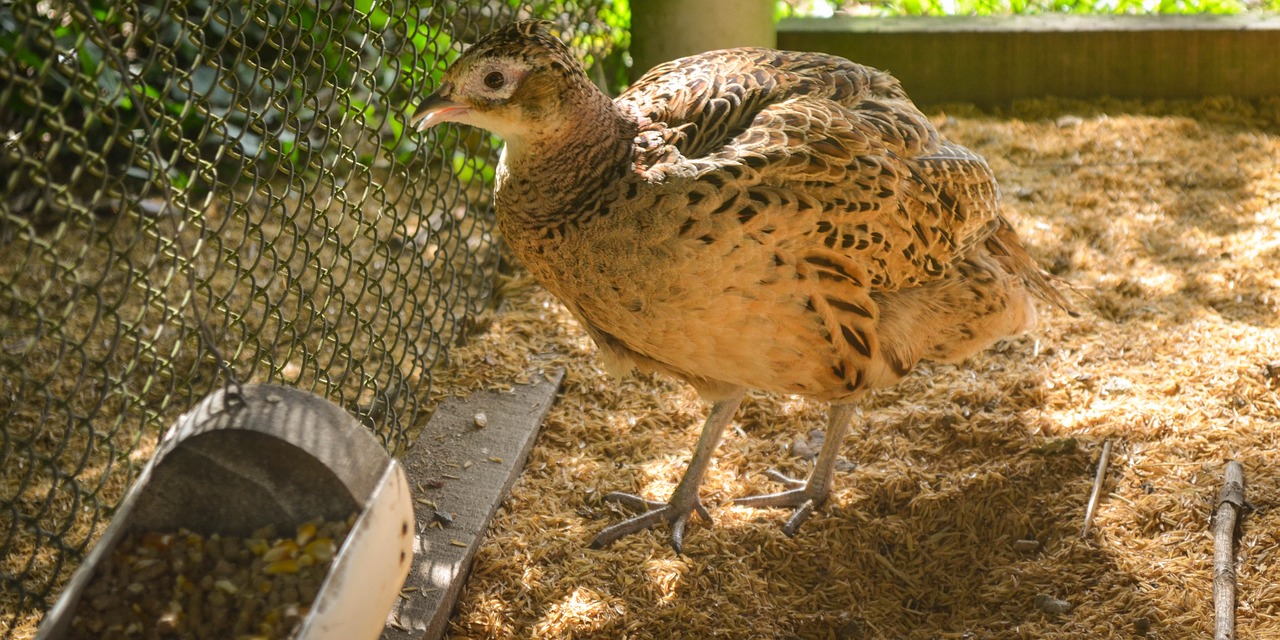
(1166, 216)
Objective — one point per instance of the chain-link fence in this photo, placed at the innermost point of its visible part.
(242, 165)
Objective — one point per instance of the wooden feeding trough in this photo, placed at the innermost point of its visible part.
(247, 468)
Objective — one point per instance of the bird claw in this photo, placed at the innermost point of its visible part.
(778, 476)
(799, 517)
(788, 498)
(651, 513)
(801, 499)
(633, 502)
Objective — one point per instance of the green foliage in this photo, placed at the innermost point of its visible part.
(244, 89)
(1012, 7)
(616, 42)
(254, 87)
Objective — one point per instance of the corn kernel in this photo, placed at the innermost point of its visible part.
(287, 565)
(306, 533)
(157, 541)
(322, 549)
(258, 546)
(283, 549)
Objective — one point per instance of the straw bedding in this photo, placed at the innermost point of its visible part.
(957, 513)
(959, 510)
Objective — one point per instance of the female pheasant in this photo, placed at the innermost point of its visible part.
(744, 219)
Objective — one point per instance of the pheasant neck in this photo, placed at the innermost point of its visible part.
(561, 175)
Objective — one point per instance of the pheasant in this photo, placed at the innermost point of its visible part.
(744, 219)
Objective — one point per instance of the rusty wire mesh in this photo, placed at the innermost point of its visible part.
(261, 147)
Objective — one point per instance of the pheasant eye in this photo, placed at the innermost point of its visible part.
(494, 80)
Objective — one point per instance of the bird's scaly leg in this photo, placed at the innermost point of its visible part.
(684, 500)
(807, 496)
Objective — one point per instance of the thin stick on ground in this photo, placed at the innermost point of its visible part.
(1098, 478)
(1226, 514)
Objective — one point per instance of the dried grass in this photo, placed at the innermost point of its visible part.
(1167, 216)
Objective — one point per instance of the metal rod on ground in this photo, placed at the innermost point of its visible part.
(1098, 478)
(1224, 524)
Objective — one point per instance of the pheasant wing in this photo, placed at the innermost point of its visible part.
(871, 183)
(701, 102)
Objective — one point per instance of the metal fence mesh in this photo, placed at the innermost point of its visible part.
(260, 151)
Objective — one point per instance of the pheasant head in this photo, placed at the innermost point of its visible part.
(520, 82)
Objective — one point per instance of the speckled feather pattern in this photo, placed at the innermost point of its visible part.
(764, 219)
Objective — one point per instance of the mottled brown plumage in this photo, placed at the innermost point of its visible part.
(741, 219)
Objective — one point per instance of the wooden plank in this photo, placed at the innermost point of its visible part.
(463, 472)
(996, 60)
(1032, 23)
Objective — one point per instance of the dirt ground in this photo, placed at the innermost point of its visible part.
(1165, 216)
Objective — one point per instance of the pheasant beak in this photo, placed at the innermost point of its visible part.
(437, 108)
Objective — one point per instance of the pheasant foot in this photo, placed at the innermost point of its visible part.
(675, 513)
(806, 496)
(805, 499)
(684, 500)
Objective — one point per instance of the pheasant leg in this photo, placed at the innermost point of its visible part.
(684, 500)
(807, 496)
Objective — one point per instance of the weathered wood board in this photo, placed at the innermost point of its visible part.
(996, 60)
(460, 473)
